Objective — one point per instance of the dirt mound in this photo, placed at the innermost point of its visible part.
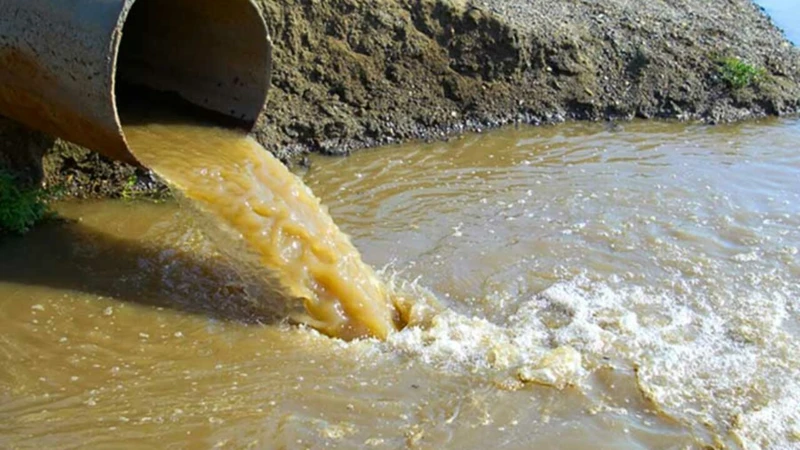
(358, 73)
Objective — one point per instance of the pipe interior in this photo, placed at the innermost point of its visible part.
(211, 54)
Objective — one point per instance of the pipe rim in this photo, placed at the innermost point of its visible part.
(116, 44)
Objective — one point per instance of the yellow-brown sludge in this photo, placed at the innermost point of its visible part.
(250, 192)
(570, 257)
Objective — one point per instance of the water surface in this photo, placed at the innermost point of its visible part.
(627, 286)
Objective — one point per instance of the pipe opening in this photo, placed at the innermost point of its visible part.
(209, 55)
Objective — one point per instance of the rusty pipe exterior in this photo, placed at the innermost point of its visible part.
(61, 61)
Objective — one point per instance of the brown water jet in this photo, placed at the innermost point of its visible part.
(71, 71)
(264, 217)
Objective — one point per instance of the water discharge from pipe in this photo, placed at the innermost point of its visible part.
(70, 69)
(258, 202)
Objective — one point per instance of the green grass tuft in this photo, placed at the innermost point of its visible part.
(20, 208)
(129, 188)
(739, 74)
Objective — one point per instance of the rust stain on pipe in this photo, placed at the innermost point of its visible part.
(62, 61)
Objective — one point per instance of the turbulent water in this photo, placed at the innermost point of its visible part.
(265, 214)
(628, 286)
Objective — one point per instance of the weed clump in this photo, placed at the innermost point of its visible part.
(129, 188)
(20, 208)
(739, 74)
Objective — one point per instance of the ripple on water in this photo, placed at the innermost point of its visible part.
(629, 290)
(671, 252)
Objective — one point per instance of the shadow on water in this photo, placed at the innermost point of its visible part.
(71, 256)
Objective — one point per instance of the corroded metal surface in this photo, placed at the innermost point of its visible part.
(58, 61)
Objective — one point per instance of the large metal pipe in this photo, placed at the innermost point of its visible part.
(61, 62)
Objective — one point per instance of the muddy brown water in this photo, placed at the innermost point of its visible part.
(264, 215)
(631, 286)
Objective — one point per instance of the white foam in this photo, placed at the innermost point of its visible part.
(700, 364)
(732, 369)
(513, 354)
